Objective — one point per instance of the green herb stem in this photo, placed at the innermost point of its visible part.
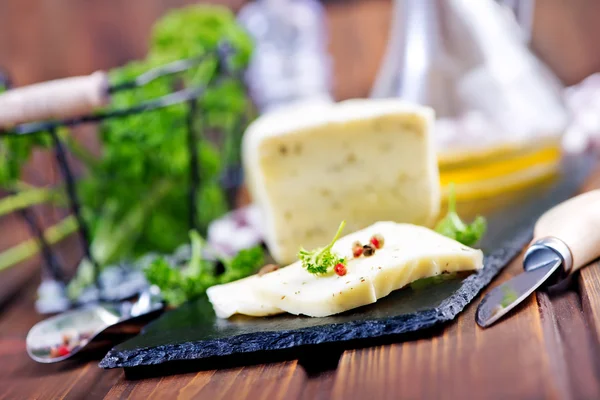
(108, 242)
(81, 153)
(30, 247)
(28, 198)
(453, 227)
(335, 238)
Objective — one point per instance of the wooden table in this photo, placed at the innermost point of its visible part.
(548, 349)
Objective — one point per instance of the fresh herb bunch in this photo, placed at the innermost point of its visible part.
(198, 30)
(140, 185)
(179, 285)
(246, 262)
(453, 227)
(322, 260)
(143, 174)
(135, 194)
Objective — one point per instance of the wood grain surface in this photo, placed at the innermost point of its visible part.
(547, 349)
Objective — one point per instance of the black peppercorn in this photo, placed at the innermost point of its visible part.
(368, 250)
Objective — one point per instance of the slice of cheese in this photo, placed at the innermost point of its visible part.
(361, 161)
(410, 253)
(238, 298)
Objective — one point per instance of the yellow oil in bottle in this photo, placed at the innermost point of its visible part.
(499, 170)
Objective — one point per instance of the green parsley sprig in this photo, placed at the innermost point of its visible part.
(322, 260)
(453, 227)
(181, 284)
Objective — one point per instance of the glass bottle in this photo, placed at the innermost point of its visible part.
(495, 102)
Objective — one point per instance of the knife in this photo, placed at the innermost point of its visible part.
(566, 238)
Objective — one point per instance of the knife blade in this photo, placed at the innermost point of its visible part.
(500, 300)
(566, 238)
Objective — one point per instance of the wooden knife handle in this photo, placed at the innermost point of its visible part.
(577, 223)
(61, 98)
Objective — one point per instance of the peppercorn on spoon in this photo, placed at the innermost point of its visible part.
(62, 336)
(566, 238)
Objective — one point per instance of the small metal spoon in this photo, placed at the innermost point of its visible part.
(62, 336)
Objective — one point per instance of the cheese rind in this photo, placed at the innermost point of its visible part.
(361, 161)
(238, 298)
(410, 253)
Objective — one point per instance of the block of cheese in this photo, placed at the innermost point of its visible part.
(362, 161)
(410, 253)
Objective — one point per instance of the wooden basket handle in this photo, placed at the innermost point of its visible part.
(61, 98)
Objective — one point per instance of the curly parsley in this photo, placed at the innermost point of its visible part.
(322, 260)
(180, 284)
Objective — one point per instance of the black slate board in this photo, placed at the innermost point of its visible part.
(192, 332)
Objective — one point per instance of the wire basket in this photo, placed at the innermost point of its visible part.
(230, 178)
